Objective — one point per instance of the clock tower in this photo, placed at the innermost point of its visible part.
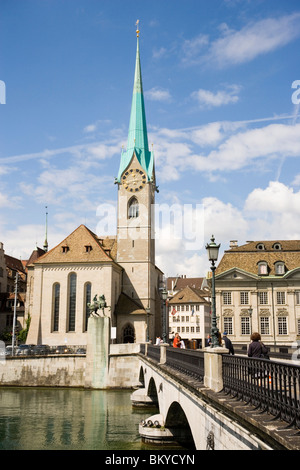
(135, 224)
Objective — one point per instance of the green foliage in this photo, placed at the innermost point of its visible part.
(22, 336)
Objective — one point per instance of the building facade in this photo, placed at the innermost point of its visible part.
(189, 315)
(9, 267)
(122, 268)
(258, 289)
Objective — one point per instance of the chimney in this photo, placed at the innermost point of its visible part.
(233, 244)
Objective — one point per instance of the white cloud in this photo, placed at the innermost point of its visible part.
(274, 212)
(296, 180)
(207, 98)
(234, 147)
(251, 41)
(245, 148)
(4, 201)
(276, 198)
(158, 94)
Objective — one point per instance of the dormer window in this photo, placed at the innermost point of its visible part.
(279, 268)
(277, 246)
(64, 248)
(260, 246)
(262, 268)
(88, 248)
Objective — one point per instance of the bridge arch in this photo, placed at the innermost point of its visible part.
(176, 418)
(142, 377)
(152, 390)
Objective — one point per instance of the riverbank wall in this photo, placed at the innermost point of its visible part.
(70, 370)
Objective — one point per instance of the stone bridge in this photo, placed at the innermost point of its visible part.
(198, 417)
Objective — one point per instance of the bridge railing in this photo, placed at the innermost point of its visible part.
(272, 387)
(188, 362)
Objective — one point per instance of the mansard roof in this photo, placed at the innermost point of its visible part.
(247, 257)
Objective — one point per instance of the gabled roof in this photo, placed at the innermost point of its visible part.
(189, 295)
(14, 263)
(179, 282)
(73, 249)
(34, 256)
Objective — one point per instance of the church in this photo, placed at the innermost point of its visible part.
(65, 280)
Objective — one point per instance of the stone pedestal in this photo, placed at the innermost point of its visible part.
(213, 368)
(97, 352)
(163, 352)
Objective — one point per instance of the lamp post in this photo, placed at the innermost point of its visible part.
(213, 252)
(164, 296)
(250, 311)
(147, 318)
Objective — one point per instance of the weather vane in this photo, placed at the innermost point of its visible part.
(137, 29)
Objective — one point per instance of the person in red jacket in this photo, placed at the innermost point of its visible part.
(176, 342)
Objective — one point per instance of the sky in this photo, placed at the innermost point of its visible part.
(221, 83)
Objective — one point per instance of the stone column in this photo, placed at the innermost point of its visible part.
(163, 353)
(213, 368)
(97, 352)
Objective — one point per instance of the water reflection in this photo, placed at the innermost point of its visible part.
(58, 419)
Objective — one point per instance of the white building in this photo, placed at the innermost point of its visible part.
(189, 315)
(258, 289)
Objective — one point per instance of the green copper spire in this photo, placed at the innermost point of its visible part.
(137, 135)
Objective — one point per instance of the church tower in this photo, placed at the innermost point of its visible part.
(136, 198)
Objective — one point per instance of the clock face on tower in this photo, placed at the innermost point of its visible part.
(134, 180)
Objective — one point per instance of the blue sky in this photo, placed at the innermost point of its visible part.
(222, 116)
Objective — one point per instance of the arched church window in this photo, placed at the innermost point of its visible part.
(133, 208)
(128, 334)
(56, 297)
(72, 301)
(87, 300)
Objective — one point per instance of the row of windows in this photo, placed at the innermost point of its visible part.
(182, 318)
(72, 294)
(264, 325)
(263, 298)
(186, 329)
(184, 308)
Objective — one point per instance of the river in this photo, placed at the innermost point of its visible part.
(69, 419)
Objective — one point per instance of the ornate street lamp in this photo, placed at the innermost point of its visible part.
(147, 324)
(250, 311)
(164, 296)
(213, 252)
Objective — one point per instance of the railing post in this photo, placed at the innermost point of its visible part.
(163, 353)
(213, 377)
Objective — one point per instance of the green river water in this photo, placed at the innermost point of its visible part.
(69, 419)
